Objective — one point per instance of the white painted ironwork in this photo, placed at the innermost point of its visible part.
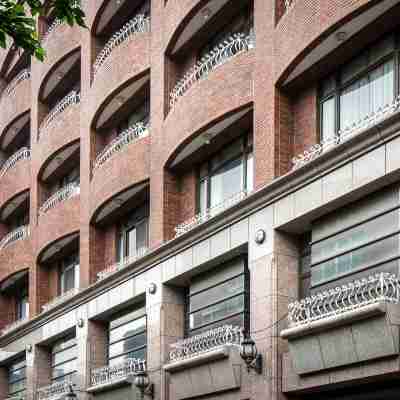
(122, 264)
(288, 4)
(22, 76)
(20, 233)
(11, 327)
(22, 154)
(207, 341)
(209, 213)
(60, 299)
(109, 374)
(128, 136)
(354, 295)
(343, 135)
(139, 24)
(55, 390)
(229, 48)
(65, 193)
(72, 98)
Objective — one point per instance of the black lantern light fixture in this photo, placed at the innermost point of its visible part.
(250, 355)
(70, 395)
(142, 381)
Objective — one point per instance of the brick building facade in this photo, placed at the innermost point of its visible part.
(185, 174)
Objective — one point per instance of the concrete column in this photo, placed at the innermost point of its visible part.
(38, 370)
(3, 382)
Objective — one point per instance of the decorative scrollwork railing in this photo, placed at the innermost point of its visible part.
(10, 327)
(72, 98)
(229, 48)
(128, 136)
(109, 374)
(369, 121)
(211, 212)
(22, 154)
(381, 287)
(20, 233)
(54, 390)
(122, 264)
(139, 24)
(204, 342)
(288, 4)
(65, 193)
(22, 76)
(60, 299)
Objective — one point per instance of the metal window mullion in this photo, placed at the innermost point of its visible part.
(128, 351)
(128, 322)
(218, 320)
(218, 302)
(127, 337)
(216, 285)
(64, 362)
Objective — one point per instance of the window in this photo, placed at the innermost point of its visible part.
(22, 304)
(17, 378)
(71, 177)
(19, 220)
(227, 174)
(139, 114)
(63, 359)
(69, 273)
(370, 243)
(219, 298)
(133, 234)
(127, 336)
(360, 88)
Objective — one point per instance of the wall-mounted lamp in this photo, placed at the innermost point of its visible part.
(142, 381)
(29, 348)
(71, 394)
(249, 353)
(80, 323)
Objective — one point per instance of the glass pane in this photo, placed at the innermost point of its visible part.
(364, 257)
(369, 231)
(63, 344)
(203, 195)
(126, 345)
(68, 279)
(16, 375)
(237, 320)
(217, 312)
(131, 328)
(63, 356)
(328, 118)
(142, 235)
(63, 369)
(382, 88)
(138, 354)
(121, 320)
(131, 242)
(120, 247)
(17, 365)
(217, 293)
(17, 386)
(250, 172)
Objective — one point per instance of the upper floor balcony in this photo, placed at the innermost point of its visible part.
(25, 74)
(54, 391)
(67, 192)
(60, 299)
(16, 235)
(22, 154)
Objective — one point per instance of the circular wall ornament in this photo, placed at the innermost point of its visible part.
(260, 236)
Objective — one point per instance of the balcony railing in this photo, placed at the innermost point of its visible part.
(382, 287)
(207, 341)
(236, 44)
(60, 299)
(15, 325)
(211, 212)
(22, 154)
(54, 391)
(110, 374)
(72, 98)
(139, 24)
(128, 136)
(122, 264)
(22, 76)
(16, 235)
(287, 4)
(369, 121)
(65, 193)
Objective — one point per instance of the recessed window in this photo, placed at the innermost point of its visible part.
(127, 337)
(218, 298)
(17, 378)
(359, 89)
(22, 304)
(69, 273)
(226, 174)
(140, 114)
(64, 360)
(72, 177)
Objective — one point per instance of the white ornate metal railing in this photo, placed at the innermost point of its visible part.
(128, 136)
(361, 126)
(20, 233)
(139, 24)
(122, 264)
(207, 341)
(22, 76)
(56, 23)
(22, 154)
(354, 295)
(10, 327)
(65, 193)
(211, 212)
(60, 299)
(229, 48)
(54, 390)
(109, 374)
(288, 4)
(72, 98)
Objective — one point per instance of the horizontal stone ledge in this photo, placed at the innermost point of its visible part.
(103, 387)
(334, 321)
(202, 358)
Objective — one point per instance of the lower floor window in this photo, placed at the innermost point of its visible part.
(17, 378)
(64, 359)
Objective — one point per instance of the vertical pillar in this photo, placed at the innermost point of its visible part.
(3, 382)
(38, 370)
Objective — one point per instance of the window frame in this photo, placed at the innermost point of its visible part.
(71, 261)
(53, 366)
(9, 382)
